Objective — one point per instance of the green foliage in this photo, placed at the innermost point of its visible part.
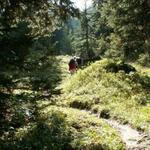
(84, 137)
(31, 122)
(144, 60)
(121, 28)
(14, 44)
(42, 16)
(125, 96)
(62, 40)
(83, 42)
(16, 111)
(46, 75)
(23, 22)
(18, 108)
(64, 128)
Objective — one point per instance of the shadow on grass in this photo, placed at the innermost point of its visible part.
(50, 134)
(19, 110)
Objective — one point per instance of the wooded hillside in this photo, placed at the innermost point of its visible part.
(45, 106)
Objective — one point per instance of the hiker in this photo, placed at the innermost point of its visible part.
(79, 61)
(73, 65)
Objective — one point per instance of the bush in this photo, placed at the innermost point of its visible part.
(144, 59)
(115, 88)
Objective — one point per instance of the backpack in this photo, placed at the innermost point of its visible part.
(72, 61)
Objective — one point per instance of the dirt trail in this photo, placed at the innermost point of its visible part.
(133, 139)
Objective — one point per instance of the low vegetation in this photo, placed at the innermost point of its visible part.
(41, 108)
(65, 129)
(120, 95)
(33, 119)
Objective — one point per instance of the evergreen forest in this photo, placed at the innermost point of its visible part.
(104, 104)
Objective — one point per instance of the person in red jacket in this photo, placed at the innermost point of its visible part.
(73, 65)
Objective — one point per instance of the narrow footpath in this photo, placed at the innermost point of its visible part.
(133, 139)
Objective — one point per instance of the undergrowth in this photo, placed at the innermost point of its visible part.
(126, 96)
(38, 117)
(64, 129)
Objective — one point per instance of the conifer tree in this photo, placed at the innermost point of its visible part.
(128, 25)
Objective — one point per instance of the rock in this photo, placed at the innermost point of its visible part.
(114, 67)
(105, 114)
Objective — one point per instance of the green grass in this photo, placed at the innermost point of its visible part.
(74, 129)
(60, 123)
(59, 128)
(142, 69)
(125, 96)
(37, 123)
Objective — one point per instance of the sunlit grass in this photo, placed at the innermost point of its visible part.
(126, 96)
(44, 125)
(88, 132)
(65, 128)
